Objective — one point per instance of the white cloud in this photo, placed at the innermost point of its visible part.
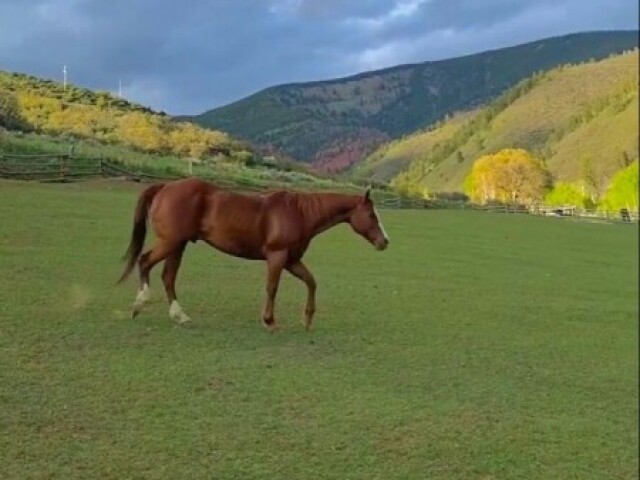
(399, 51)
(405, 8)
(63, 15)
(401, 9)
(285, 7)
(443, 43)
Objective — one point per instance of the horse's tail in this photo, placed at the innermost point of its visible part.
(139, 231)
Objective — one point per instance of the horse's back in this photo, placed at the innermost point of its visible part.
(248, 225)
(239, 224)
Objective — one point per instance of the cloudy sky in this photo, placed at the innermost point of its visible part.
(185, 57)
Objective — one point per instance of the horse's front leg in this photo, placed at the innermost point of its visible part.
(275, 263)
(299, 270)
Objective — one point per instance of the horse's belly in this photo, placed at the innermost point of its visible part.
(233, 226)
(237, 247)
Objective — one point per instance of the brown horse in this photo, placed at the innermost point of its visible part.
(276, 227)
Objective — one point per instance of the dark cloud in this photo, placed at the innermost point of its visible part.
(186, 57)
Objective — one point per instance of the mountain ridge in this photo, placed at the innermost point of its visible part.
(366, 73)
(333, 123)
(581, 120)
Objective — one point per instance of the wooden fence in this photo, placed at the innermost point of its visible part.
(567, 211)
(390, 200)
(66, 168)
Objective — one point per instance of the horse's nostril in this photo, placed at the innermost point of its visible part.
(383, 244)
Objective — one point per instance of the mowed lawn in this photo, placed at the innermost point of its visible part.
(477, 346)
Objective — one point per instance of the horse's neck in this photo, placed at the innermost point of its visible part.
(324, 211)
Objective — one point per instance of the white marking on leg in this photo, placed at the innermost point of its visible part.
(384, 232)
(144, 294)
(177, 314)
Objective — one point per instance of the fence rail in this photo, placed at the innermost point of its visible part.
(66, 168)
(568, 211)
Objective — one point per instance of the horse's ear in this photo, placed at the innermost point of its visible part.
(367, 194)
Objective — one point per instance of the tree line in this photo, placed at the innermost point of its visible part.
(516, 176)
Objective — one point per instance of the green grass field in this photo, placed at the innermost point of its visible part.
(478, 346)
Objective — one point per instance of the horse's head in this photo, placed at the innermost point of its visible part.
(365, 221)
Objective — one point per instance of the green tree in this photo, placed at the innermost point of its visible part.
(404, 184)
(623, 190)
(9, 111)
(564, 193)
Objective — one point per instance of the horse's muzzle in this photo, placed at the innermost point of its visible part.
(382, 245)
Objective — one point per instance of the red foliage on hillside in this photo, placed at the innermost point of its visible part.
(345, 152)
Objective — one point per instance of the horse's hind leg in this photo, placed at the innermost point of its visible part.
(144, 293)
(145, 263)
(169, 273)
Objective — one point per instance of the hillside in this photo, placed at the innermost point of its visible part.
(395, 156)
(40, 116)
(32, 104)
(333, 124)
(581, 120)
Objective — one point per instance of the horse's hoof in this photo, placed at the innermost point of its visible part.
(181, 319)
(307, 321)
(177, 314)
(271, 326)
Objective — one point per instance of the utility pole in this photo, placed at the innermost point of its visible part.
(64, 75)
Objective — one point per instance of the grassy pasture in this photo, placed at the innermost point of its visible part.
(478, 346)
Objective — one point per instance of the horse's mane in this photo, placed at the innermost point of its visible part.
(323, 208)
